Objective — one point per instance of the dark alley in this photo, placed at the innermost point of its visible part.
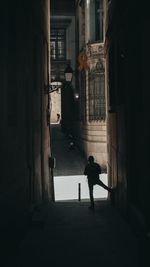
(74, 119)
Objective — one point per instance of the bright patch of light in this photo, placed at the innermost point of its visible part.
(66, 187)
(88, 2)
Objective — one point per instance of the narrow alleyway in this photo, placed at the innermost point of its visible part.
(68, 234)
(94, 54)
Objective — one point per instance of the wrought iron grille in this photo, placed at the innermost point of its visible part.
(97, 103)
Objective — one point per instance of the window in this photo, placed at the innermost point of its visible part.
(99, 20)
(58, 44)
(96, 20)
(97, 106)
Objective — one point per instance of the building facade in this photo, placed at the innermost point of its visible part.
(115, 59)
(90, 18)
(62, 54)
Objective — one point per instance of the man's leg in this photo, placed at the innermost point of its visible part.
(91, 195)
(99, 182)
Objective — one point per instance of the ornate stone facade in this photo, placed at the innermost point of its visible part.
(93, 127)
(95, 56)
(91, 79)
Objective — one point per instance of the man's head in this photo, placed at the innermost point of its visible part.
(91, 159)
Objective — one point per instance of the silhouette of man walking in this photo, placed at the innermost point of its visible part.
(92, 170)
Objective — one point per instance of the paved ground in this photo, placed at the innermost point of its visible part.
(67, 188)
(68, 162)
(68, 234)
(69, 169)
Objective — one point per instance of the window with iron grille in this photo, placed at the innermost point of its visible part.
(58, 44)
(97, 105)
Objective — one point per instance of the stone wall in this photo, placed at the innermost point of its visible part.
(24, 134)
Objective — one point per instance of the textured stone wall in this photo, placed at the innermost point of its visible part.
(24, 134)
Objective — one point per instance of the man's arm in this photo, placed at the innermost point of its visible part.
(99, 169)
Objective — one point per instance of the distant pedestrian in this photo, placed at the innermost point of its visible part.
(93, 170)
(58, 118)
